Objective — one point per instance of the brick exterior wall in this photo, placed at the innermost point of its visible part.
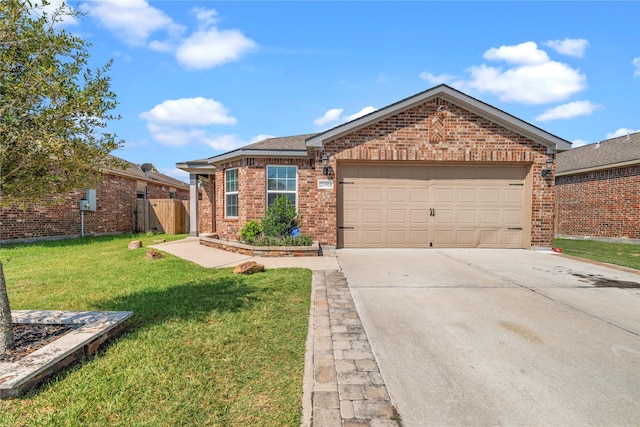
(59, 216)
(421, 134)
(603, 203)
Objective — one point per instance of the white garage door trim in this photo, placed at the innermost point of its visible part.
(434, 205)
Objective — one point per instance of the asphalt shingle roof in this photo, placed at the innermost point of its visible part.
(134, 171)
(601, 155)
(295, 142)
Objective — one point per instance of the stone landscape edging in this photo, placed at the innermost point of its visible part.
(264, 251)
(98, 327)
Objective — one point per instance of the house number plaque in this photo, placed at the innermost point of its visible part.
(325, 184)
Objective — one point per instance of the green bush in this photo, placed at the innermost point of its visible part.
(279, 218)
(251, 231)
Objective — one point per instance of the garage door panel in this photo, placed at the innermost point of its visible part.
(350, 216)
(396, 237)
(419, 237)
(372, 216)
(490, 195)
(396, 216)
(372, 237)
(465, 238)
(418, 195)
(420, 206)
(513, 195)
(466, 217)
(490, 217)
(444, 216)
(372, 194)
(419, 216)
(443, 195)
(513, 217)
(396, 195)
(466, 195)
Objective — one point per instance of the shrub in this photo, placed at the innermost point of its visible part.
(280, 218)
(283, 241)
(251, 231)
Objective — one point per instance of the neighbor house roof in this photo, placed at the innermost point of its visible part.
(133, 170)
(608, 154)
(447, 93)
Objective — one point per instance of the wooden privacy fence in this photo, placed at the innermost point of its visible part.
(169, 216)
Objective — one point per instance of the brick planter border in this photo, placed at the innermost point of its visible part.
(264, 251)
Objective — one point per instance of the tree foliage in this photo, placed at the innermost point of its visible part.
(54, 112)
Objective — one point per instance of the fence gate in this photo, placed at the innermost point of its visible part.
(168, 216)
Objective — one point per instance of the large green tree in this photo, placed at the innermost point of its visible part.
(54, 112)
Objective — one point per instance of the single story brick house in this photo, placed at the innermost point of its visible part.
(598, 190)
(437, 169)
(116, 195)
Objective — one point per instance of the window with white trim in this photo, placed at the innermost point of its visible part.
(282, 180)
(231, 193)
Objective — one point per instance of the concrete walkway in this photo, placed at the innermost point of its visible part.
(191, 250)
(342, 383)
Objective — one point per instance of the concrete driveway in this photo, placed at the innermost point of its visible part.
(500, 337)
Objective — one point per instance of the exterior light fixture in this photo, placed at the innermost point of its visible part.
(325, 164)
(548, 166)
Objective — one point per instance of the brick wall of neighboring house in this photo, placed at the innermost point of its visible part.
(60, 216)
(421, 134)
(604, 203)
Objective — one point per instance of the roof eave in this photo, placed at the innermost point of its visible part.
(196, 167)
(552, 142)
(240, 153)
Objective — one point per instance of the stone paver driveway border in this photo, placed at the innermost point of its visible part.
(343, 385)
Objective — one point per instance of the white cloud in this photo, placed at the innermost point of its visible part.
(436, 79)
(568, 111)
(335, 115)
(210, 48)
(52, 8)
(330, 116)
(621, 132)
(175, 136)
(570, 47)
(636, 66)
(579, 143)
(529, 84)
(363, 112)
(133, 21)
(189, 111)
(206, 17)
(229, 142)
(524, 53)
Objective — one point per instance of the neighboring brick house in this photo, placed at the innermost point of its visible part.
(115, 200)
(438, 169)
(598, 190)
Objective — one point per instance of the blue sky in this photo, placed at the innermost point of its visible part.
(198, 78)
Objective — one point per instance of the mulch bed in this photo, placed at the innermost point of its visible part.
(31, 337)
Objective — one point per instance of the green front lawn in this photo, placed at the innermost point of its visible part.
(204, 347)
(624, 254)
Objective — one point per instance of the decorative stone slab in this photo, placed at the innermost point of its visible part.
(98, 328)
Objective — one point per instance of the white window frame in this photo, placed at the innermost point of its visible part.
(231, 193)
(294, 192)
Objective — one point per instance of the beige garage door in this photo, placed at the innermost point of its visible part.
(434, 206)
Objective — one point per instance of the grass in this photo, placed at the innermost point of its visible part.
(624, 254)
(204, 347)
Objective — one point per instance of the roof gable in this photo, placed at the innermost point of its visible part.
(621, 151)
(552, 142)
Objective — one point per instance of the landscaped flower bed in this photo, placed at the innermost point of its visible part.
(266, 251)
